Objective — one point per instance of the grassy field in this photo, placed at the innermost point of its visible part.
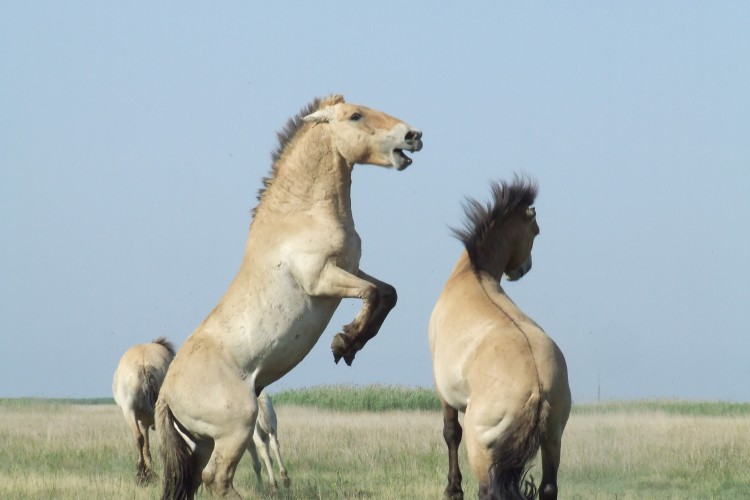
(368, 448)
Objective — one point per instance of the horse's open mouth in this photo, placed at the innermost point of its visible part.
(405, 160)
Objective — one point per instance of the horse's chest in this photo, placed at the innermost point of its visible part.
(350, 250)
(340, 244)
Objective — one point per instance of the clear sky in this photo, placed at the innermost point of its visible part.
(134, 137)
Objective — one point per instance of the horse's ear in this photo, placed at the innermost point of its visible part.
(320, 116)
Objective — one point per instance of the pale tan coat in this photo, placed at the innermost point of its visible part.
(301, 258)
(135, 387)
(490, 360)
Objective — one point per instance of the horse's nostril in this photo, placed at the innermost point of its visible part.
(413, 135)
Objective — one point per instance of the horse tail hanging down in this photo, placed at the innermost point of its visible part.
(177, 457)
(150, 389)
(516, 448)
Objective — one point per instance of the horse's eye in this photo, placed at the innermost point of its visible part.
(356, 116)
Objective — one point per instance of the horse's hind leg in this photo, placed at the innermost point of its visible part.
(146, 454)
(452, 433)
(230, 444)
(141, 476)
(252, 449)
(550, 463)
(218, 475)
(261, 442)
(277, 451)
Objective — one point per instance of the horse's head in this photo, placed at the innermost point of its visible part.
(525, 228)
(364, 135)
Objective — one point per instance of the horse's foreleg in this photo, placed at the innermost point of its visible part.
(377, 301)
(378, 298)
(452, 433)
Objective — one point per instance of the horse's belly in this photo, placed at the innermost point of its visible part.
(280, 332)
(287, 346)
(454, 392)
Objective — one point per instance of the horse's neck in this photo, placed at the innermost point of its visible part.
(312, 177)
(465, 273)
(492, 256)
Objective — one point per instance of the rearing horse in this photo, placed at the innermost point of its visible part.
(301, 258)
(492, 362)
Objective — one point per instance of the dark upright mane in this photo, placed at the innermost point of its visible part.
(166, 344)
(480, 219)
(287, 133)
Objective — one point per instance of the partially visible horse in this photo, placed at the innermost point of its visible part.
(265, 437)
(301, 258)
(493, 362)
(135, 386)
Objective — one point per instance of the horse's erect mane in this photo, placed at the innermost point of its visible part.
(480, 219)
(289, 131)
(166, 344)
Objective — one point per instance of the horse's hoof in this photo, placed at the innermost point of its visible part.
(349, 357)
(452, 493)
(340, 347)
(287, 482)
(142, 478)
(454, 496)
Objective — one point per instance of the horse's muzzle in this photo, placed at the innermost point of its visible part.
(519, 272)
(412, 143)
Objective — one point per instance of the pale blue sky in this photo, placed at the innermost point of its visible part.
(133, 140)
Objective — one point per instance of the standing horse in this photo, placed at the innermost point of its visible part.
(301, 258)
(265, 437)
(492, 362)
(136, 386)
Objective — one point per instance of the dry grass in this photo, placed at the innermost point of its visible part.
(78, 451)
(655, 455)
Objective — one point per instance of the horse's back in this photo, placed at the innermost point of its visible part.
(481, 341)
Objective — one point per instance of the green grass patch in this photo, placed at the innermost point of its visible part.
(18, 403)
(361, 398)
(379, 398)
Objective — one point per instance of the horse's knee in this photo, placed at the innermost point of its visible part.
(388, 297)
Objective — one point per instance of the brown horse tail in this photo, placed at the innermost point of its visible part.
(176, 455)
(512, 454)
(149, 390)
